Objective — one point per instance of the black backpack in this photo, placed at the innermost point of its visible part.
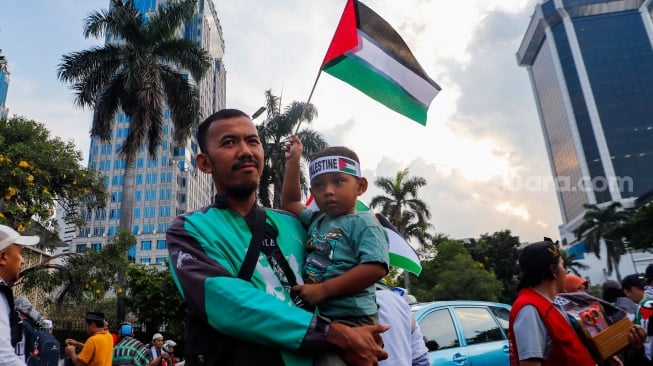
(41, 347)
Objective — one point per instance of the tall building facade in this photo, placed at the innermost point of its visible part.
(169, 184)
(589, 66)
(4, 87)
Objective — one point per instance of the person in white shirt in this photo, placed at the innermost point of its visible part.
(11, 262)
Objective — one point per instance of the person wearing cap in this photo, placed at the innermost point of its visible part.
(11, 262)
(158, 356)
(539, 331)
(575, 283)
(633, 287)
(47, 324)
(129, 350)
(97, 350)
(169, 347)
(611, 292)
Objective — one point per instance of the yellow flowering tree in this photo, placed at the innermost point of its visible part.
(37, 171)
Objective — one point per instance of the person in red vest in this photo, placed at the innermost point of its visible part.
(539, 331)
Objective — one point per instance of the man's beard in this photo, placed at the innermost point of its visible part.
(242, 191)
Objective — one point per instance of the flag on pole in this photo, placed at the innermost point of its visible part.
(367, 53)
(402, 254)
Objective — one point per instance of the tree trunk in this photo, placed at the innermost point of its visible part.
(127, 202)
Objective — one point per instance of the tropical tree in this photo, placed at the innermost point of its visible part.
(39, 172)
(139, 74)
(453, 275)
(274, 132)
(499, 253)
(3, 62)
(570, 262)
(599, 221)
(153, 298)
(82, 279)
(637, 230)
(402, 207)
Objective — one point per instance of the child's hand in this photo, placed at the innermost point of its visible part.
(313, 294)
(294, 148)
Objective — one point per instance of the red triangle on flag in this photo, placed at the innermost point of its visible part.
(346, 36)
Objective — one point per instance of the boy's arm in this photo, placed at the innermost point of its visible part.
(353, 281)
(291, 195)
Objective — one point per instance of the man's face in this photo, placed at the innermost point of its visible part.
(233, 157)
(11, 261)
(635, 293)
(561, 275)
(158, 343)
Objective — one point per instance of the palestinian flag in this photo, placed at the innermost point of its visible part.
(402, 254)
(367, 53)
(347, 166)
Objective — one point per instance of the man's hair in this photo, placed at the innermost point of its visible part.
(98, 323)
(203, 128)
(336, 151)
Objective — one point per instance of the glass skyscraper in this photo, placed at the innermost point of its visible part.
(588, 62)
(170, 184)
(4, 87)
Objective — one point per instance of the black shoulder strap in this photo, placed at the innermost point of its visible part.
(249, 263)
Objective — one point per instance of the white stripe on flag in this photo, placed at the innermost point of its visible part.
(414, 84)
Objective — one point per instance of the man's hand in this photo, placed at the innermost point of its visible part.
(637, 336)
(358, 345)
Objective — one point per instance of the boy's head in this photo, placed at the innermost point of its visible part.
(336, 180)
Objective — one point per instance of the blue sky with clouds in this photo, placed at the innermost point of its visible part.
(482, 142)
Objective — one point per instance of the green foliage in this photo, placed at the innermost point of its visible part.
(154, 299)
(82, 278)
(274, 132)
(401, 206)
(598, 223)
(453, 275)
(3, 62)
(637, 229)
(570, 262)
(39, 171)
(499, 253)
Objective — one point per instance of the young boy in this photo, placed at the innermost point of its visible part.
(347, 251)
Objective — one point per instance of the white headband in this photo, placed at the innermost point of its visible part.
(334, 164)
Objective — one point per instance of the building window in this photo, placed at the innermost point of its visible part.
(161, 260)
(146, 245)
(96, 247)
(81, 248)
(161, 244)
(146, 260)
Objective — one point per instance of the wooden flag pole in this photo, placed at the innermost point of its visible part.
(301, 116)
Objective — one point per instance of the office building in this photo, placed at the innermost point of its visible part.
(589, 65)
(4, 87)
(169, 184)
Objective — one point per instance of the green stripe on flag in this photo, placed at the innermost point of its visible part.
(405, 263)
(358, 74)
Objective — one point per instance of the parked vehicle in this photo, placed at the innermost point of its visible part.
(463, 333)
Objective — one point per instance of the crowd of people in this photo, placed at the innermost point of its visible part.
(301, 286)
(543, 332)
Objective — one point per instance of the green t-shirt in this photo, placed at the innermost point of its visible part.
(334, 246)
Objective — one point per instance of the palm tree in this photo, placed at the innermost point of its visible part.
(570, 262)
(597, 222)
(274, 131)
(139, 74)
(3, 62)
(401, 205)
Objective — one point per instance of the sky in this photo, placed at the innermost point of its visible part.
(481, 152)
